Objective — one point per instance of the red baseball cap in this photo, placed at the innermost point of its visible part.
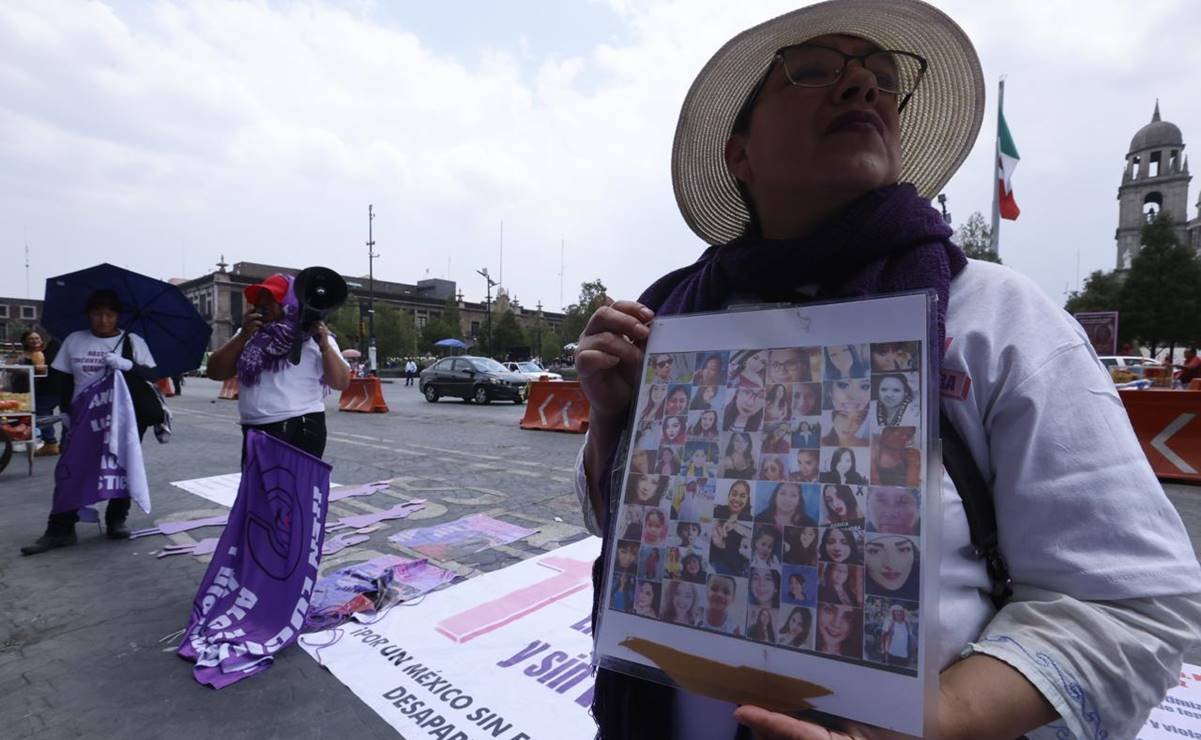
(276, 285)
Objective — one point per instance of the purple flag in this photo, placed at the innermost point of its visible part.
(103, 455)
(255, 594)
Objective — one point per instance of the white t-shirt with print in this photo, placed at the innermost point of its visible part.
(1079, 510)
(82, 356)
(291, 391)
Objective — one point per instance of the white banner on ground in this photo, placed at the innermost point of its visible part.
(504, 656)
(220, 489)
(1179, 715)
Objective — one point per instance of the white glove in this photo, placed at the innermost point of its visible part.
(117, 362)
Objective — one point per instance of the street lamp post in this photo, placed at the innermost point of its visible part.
(942, 202)
(371, 255)
(488, 304)
(537, 353)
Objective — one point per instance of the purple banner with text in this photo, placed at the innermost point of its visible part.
(254, 597)
(103, 455)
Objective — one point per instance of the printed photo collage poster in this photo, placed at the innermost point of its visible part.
(776, 512)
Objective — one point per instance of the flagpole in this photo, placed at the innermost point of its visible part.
(995, 236)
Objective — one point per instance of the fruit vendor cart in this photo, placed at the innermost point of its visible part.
(16, 413)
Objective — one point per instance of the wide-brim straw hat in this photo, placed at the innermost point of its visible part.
(937, 127)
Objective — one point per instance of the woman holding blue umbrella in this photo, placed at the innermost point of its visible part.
(85, 357)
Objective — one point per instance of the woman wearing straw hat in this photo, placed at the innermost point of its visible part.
(805, 154)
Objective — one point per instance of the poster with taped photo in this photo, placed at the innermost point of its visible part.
(769, 515)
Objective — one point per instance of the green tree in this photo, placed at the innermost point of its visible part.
(394, 332)
(1161, 295)
(344, 323)
(450, 317)
(1102, 292)
(544, 342)
(975, 237)
(552, 346)
(507, 334)
(592, 296)
(434, 330)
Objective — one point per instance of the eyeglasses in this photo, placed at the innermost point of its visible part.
(663, 363)
(808, 65)
(896, 72)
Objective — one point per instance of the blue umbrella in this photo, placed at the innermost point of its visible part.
(158, 312)
(449, 342)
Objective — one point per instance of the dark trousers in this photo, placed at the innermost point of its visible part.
(117, 510)
(302, 432)
(408, 378)
(44, 405)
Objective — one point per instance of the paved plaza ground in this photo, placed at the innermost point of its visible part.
(85, 631)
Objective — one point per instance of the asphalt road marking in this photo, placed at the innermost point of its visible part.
(345, 438)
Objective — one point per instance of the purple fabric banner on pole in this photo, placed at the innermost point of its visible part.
(255, 594)
(103, 455)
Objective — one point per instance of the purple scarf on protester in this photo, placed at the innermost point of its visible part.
(269, 347)
(887, 241)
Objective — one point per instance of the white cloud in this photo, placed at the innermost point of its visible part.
(164, 135)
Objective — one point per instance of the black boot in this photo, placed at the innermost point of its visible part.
(60, 532)
(115, 515)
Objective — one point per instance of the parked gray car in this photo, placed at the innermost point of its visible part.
(478, 379)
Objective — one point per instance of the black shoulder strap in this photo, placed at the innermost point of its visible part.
(978, 507)
(126, 348)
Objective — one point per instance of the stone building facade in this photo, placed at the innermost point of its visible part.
(1156, 177)
(18, 315)
(218, 297)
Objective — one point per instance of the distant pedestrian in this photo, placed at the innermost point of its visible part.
(177, 383)
(284, 400)
(410, 371)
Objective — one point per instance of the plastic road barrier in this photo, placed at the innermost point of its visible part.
(229, 389)
(165, 387)
(1169, 429)
(556, 406)
(365, 395)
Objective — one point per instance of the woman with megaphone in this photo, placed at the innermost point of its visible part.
(286, 362)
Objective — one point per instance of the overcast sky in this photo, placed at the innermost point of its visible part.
(161, 136)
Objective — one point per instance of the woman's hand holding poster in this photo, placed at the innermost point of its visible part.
(771, 529)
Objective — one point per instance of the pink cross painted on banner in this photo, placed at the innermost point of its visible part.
(571, 576)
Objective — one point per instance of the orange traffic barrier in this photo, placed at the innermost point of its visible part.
(1169, 431)
(229, 389)
(556, 406)
(363, 394)
(165, 387)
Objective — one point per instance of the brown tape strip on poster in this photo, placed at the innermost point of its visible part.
(739, 684)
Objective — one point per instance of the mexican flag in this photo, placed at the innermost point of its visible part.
(1007, 162)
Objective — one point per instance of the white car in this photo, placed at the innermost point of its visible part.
(532, 371)
(1130, 363)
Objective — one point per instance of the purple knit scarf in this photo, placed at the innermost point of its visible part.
(887, 241)
(269, 347)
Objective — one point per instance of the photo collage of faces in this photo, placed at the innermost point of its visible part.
(774, 495)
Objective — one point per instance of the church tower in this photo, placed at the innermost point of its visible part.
(1156, 177)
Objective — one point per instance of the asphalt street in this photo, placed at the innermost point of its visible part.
(86, 633)
(82, 629)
